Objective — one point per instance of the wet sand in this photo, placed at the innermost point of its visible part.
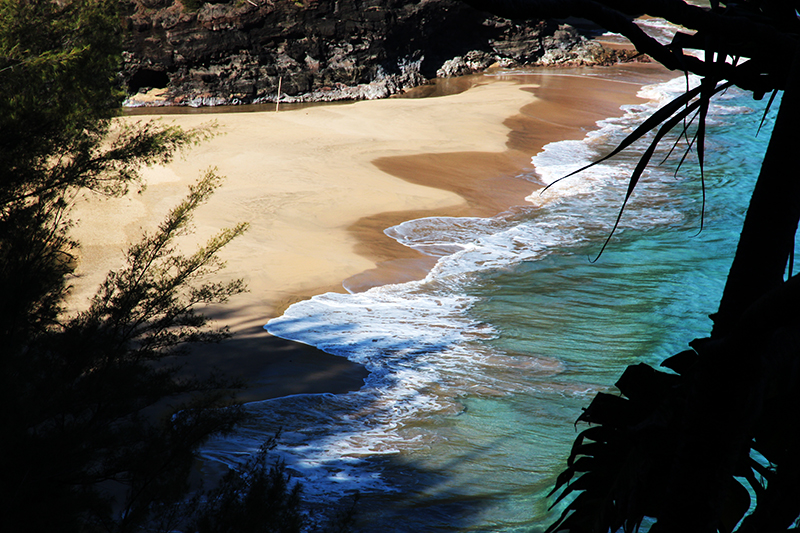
(318, 186)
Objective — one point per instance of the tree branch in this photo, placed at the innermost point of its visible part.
(734, 31)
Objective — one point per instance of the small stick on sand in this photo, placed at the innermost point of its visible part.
(278, 98)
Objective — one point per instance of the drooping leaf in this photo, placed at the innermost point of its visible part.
(705, 100)
(643, 129)
(643, 383)
(689, 146)
(684, 135)
(734, 508)
(681, 362)
(607, 409)
(562, 480)
(598, 434)
(668, 124)
(766, 110)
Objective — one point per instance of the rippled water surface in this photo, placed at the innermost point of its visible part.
(479, 371)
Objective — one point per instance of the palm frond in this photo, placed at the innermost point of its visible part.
(766, 110)
(643, 129)
(612, 458)
(665, 120)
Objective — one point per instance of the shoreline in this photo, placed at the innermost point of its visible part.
(489, 182)
(320, 184)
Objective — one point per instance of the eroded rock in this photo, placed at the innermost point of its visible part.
(239, 51)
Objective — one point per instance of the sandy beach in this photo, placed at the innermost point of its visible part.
(318, 185)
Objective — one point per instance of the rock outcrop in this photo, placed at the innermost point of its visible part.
(187, 52)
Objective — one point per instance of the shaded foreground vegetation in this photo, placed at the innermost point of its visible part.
(709, 446)
(100, 427)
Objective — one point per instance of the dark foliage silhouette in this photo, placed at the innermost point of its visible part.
(98, 430)
(101, 422)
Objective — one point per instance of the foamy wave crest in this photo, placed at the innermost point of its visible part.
(337, 323)
(411, 338)
(608, 181)
(421, 345)
(440, 236)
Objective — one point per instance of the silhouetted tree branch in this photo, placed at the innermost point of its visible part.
(737, 30)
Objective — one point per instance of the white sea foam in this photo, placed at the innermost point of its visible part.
(422, 347)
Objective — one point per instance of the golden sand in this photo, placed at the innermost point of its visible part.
(318, 185)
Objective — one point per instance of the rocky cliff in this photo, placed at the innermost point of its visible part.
(188, 52)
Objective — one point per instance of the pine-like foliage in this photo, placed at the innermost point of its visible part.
(253, 498)
(99, 427)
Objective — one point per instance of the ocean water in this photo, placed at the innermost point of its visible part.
(479, 371)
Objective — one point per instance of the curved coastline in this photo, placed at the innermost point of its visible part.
(568, 103)
(336, 188)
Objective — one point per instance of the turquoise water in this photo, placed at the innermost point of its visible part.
(479, 371)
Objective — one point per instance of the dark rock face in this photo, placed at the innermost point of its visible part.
(240, 51)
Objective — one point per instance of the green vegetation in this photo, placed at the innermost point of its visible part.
(100, 425)
(681, 448)
(254, 498)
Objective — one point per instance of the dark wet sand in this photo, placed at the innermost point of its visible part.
(564, 104)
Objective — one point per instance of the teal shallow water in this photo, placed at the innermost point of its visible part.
(647, 296)
(479, 371)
